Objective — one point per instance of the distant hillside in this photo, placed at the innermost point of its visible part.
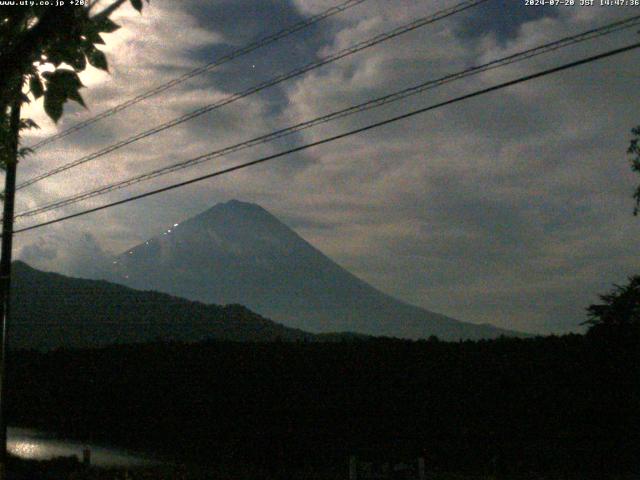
(52, 310)
(237, 252)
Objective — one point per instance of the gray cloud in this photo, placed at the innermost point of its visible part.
(80, 256)
(503, 18)
(513, 208)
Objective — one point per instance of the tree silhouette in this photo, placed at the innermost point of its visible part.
(619, 312)
(634, 149)
(44, 48)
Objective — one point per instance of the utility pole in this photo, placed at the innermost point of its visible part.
(5, 274)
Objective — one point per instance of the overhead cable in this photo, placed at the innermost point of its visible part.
(334, 138)
(421, 22)
(200, 70)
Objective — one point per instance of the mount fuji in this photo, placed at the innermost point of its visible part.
(239, 253)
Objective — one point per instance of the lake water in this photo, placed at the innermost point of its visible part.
(35, 445)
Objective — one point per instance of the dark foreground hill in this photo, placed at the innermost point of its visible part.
(237, 252)
(52, 310)
(560, 407)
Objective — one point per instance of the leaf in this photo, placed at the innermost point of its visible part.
(35, 85)
(23, 152)
(106, 25)
(27, 124)
(98, 59)
(62, 85)
(54, 57)
(69, 52)
(53, 106)
(94, 37)
(137, 4)
(91, 32)
(76, 97)
(79, 62)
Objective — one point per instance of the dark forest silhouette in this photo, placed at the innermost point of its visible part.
(561, 405)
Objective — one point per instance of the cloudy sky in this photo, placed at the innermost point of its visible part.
(512, 208)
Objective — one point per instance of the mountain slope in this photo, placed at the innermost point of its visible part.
(52, 310)
(238, 252)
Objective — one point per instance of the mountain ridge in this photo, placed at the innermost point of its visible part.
(51, 310)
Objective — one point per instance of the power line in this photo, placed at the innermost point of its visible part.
(421, 22)
(412, 113)
(371, 104)
(202, 69)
